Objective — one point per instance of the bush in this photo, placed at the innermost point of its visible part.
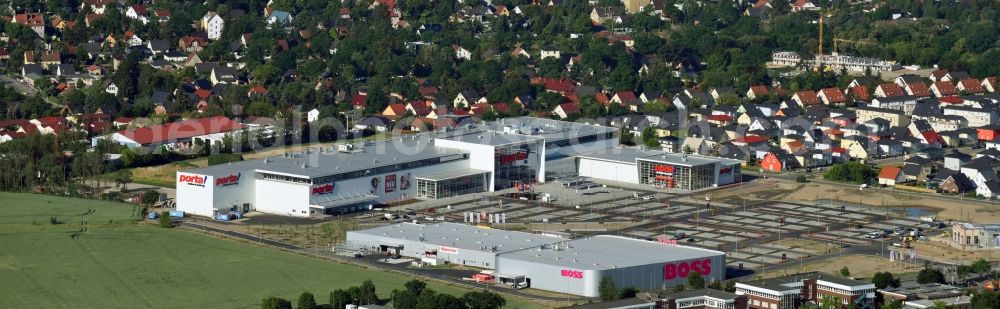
(844, 272)
(54, 220)
(801, 179)
(164, 219)
(850, 172)
(222, 158)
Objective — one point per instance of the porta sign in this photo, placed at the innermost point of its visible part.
(666, 241)
(192, 180)
(682, 269)
(575, 274)
(725, 170)
(322, 189)
(228, 180)
(447, 250)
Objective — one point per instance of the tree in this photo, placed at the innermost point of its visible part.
(339, 298)
(695, 280)
(627, 292)
(801, 179)
(306, 301)
(275, 303)
(829, 302)
(844, 272)
(367, 294)
(404, 299)
(150, 197)
(715, 285)
(929, 275)
(415, 287)
(164, 219)
(483, 300)
(123, 177)
(649, 137)
(986, 299)
(607, 289)
(884, 280)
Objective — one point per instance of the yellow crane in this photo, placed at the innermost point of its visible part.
(819, 54)
(858, 42)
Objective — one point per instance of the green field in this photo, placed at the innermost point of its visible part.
(128, 265)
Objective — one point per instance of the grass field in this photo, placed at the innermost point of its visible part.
(127, 265)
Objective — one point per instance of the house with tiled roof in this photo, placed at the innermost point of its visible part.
(806, 98)
(832, 95)
(565, 110)
(394, 111)
(991, 83)
(918, 89)
(888, 90)
(33, 21)
(860, 93)
(970, 86)
(757, 92)
(891, 175)
(943, 89)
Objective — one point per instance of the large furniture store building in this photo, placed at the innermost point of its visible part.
(547, 262)
(350, 177)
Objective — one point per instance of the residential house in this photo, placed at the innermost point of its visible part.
(33, 21)
(894, 117)
(97, 6)
(138, 12)
(832, 95)
(461, 52)
(566, 109)
(991, 84)
(279, 18)
(777, 161)
(549, 51)
(975, 117)
(758, 92)
(955, 76)
(943, 89)
(891, 175)
(224, 75)
(919, 90)
(374, 123)
(467, 98)
(394, 111)
(888, 90)
(956, 183)
(600, 15)
(213, 24)
(970, 86)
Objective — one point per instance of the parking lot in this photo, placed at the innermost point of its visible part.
(754, 235)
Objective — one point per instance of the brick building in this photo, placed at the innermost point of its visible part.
(792, 291)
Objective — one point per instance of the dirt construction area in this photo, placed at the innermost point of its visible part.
(859, 265)
(773, 189)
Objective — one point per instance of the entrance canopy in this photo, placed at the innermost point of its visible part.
(327, 201)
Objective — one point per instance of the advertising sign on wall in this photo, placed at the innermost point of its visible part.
(374, 188)
(682, 269)
(725, 170)
(228, 180)
(322, 189)
(390, 183)
(404, 181)
(447, 250)
(575, 274)
(192, 180)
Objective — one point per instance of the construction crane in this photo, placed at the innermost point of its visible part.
(819, 55)
(838, 40)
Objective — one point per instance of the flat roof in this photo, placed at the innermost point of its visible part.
(329, 161)
(453, 174)
(621, 303)
(550, 129)
(462, 236)
(795, 281)
(928, 290)
(631, 154)
(602, 252)
(491, 138)
(701, 293)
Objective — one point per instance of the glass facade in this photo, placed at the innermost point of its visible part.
(668, 176)
(435, 189)
(387, 169)
(515, 164)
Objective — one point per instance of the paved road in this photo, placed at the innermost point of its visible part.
(20, 86)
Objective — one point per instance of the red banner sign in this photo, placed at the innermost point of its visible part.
(668, 169)
(571, 274)
(505, 159)
(666, 241)
(390, 183)
(682, 269)
(448, 250)
(725, 170)
(322, 189)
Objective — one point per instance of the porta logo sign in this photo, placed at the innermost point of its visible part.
(448, 250)
(228, 180)
(322, 189)
(725, 170)
(575, 274)
(505, 159)
(681, 270)
(192, 180)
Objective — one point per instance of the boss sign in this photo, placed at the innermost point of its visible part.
(571, 274)
(682, 269)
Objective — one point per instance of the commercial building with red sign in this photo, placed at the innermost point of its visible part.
(792, 291)
(546, 262)
(659, 170)
(475, 158)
